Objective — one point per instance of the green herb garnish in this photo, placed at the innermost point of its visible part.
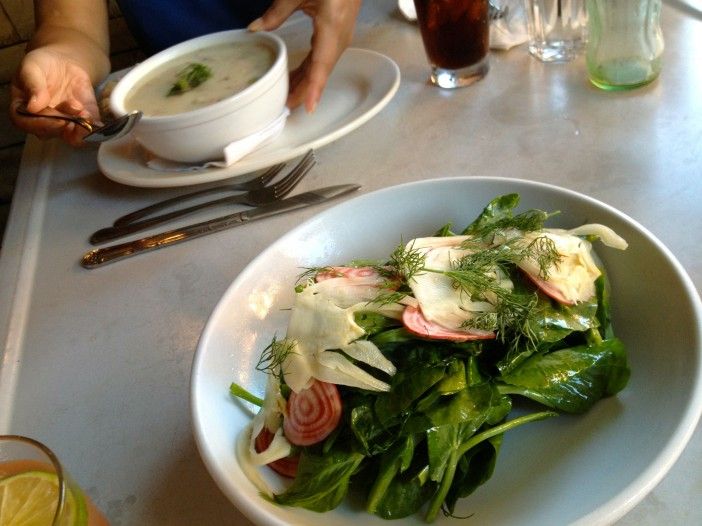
(273, 356)
(408, 261)
(190, 77)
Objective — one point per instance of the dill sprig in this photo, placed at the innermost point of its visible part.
(310, 272)
(515, 319)
(388, 298)
(529, 221)
(274, 355)
(512, 320)
(478, 274)
(541, 249)
(408, 261)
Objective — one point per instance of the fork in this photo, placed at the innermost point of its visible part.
(256, 197)
(258, 182)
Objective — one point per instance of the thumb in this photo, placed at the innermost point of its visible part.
(31, 81)
(275, 15)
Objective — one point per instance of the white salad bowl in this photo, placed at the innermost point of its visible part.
(201, 134)
(587, 469)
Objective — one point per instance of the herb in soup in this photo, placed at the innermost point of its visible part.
(190, 77)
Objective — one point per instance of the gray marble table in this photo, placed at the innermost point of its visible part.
(96, 363)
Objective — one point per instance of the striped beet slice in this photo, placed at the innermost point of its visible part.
(312, 414)
(415, 322)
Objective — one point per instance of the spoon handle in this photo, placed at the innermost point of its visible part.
(80, 121)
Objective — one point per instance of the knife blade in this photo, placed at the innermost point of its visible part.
(104, 255)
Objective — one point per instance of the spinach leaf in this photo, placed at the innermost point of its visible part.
(459, 445)
(458, 419)
(322, 480)
(405, 495)
(497, 217)
(469, 406)
(474, 469)
(442, 442)
(373, 323)
(406, 388)
(397, 492)
(603, 306)
(444, 231)
(392, 336)
(549, 324)
(454, 380)
(553, 321)
(377, 419)
(571, 379)
(373, 436)
(190, 77)
(499, 208)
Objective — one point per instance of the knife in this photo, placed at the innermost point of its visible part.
(102, 256)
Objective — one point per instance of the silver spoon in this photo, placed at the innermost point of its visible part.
(117, 128)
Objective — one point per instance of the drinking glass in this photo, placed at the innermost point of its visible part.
(456, 36)
(36, 489)
(626, 43)
(557, 29)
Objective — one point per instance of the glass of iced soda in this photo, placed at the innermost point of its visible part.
(456, 36)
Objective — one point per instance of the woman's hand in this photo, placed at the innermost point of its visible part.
(67, 55)
(48, 82)
(333, 23)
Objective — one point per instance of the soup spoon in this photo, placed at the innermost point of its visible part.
(117, 128)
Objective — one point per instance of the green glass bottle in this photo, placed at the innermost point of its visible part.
(625, 43)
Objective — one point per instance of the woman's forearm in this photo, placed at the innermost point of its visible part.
(76, 28)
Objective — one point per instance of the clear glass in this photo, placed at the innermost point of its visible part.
(456, 36)
(20, 455)
(557, 29)
(626, 43)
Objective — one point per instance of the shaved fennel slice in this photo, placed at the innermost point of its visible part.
(345, 292)
(608, 236)
(336, 369)
(244, 458)
(277, 449)
(366, 352)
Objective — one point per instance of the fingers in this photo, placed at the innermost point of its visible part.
(333, 22)
(85, 97)
(30, 82)
(307, 83)
(326, 50)
(297, 84)
(43, 128)
(49, 128)
(73, 135)
(275, 15)
(49, 84)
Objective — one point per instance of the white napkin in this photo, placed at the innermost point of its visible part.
(232, 152)
(505, 32)
(511, 29)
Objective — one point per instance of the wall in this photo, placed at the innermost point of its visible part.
(16, 27)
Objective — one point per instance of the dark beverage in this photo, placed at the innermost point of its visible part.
(456, 34)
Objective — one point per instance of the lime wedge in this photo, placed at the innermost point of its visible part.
(30, 499)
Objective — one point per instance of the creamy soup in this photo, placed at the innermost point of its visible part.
(233, 67)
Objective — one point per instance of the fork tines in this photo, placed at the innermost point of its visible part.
(297, 173)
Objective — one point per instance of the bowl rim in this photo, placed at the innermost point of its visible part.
(211, 111)
(608, 512)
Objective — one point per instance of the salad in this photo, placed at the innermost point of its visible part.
(397, 378)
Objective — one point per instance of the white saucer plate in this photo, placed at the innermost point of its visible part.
(362, 83)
